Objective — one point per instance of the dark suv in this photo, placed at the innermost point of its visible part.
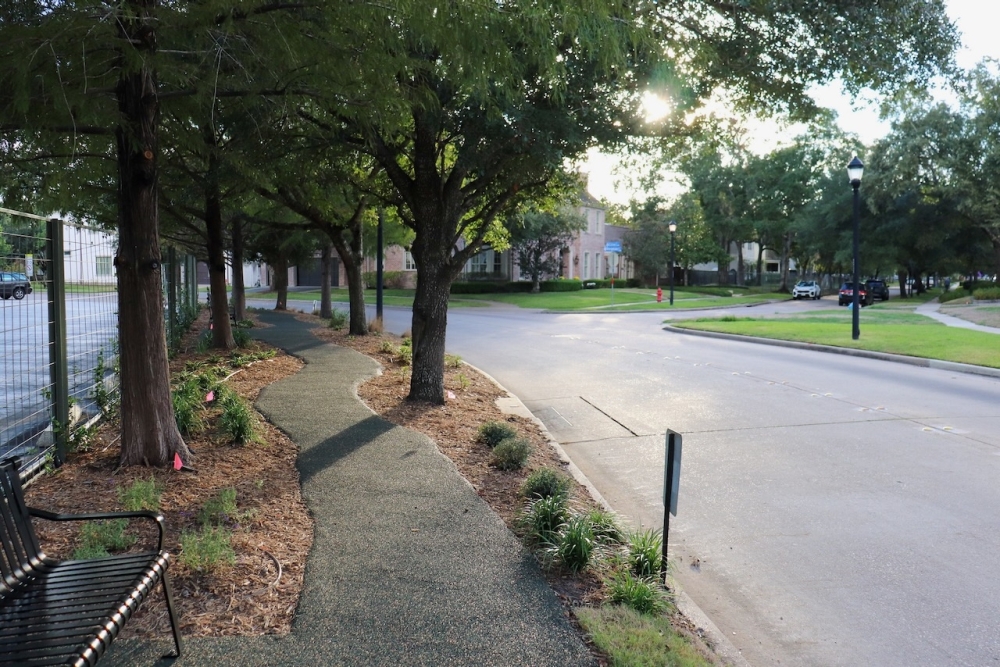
(846, 295)
(14, 285)
(878, 289)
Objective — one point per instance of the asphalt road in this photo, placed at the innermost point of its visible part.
(91, 324)
(833, 510)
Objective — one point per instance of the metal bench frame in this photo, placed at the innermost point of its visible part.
(67, 612)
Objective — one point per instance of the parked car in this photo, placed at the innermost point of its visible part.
(806, 289)
(846, 295)
(878, 289)
(14, 285)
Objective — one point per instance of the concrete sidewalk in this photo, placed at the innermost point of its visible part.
(930, 309)
(409, 566)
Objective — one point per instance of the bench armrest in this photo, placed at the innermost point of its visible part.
(92, 516)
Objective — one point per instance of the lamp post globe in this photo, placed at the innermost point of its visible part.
(855, 169)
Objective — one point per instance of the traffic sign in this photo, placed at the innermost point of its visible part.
(612, 246)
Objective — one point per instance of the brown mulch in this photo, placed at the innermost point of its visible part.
(272, 534)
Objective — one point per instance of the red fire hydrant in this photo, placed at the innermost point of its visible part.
(659, 295)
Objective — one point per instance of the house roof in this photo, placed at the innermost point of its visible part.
(588, 200)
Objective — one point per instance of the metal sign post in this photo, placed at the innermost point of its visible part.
(612, 248)
(671, 484)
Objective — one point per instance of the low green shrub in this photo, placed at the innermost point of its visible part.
(188, 400)
(142, 494)
(452, 361)
(986, 294)
(606, 528)
(204, 342)
(242, 337)
(511, 454)
(575, 543)
(954, 295)
(208, 549)
(405, 352)
(642, 594)
(573, 285)
(239, 419)
(390, 279)
(545, 482)
(542, 519)
(645, 550)
(493, 432)
(219, 509)
(99, 539)
(338, 320)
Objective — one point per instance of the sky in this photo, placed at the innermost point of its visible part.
(976, 21)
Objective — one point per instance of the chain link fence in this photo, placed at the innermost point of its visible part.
(59, 332)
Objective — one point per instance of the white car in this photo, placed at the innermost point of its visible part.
(806, 289)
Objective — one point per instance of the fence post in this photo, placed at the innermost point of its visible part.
(58, 366)
(172, 295)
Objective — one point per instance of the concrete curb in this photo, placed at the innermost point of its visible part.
(712, 635)
(883, 356)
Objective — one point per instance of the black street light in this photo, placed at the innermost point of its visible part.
(673, 228)
(854, 171)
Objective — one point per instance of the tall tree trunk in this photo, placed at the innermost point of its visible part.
(281, 283)
(740, 280)
(760, 264)
(239, 288)
(222, 331)
(149, 433)
(723, 277)
(786, 249)
(325, 308)
(430, 324)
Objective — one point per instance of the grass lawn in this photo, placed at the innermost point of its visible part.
(637, 640)
(624, 299)
(885, 330)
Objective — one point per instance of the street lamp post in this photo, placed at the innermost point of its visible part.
(673, 228)
(854, 171)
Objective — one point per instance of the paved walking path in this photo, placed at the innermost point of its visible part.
(930, 309)
(409, 566)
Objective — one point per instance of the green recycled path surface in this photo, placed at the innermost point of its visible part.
(408, 567)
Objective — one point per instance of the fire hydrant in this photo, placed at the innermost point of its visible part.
(659, 295)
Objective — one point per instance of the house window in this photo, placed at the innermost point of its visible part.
(479, 263)
(410, 265)
(497, 263)
(586, 265)
(103, 265)
(598, 267)
(772, 267)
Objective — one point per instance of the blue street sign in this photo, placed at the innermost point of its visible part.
(612, 246)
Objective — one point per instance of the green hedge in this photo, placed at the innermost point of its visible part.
(987, 294)
(390, 279)
(480, 287)
(953, 295)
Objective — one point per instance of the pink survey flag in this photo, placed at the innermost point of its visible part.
(178, 464)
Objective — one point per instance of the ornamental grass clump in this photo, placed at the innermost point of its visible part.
(642, 594)
(574, 544)
(493, 432)
(543, 518)
(511, 454)
(238, 419)
(645, 550)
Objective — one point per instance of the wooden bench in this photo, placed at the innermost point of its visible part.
(67, 612)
